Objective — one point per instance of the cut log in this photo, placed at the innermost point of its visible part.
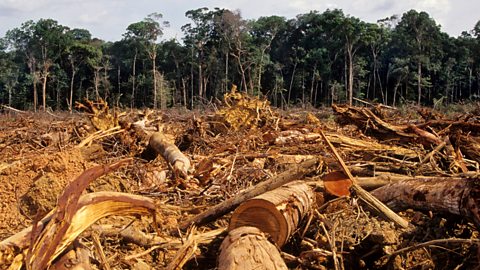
(170, 152)
(277, 181)
(460, 196)
(276, 212)
(248, 248)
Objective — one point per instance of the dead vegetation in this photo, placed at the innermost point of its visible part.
(240, 187)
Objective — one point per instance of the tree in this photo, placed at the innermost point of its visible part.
(79, 52)
(418, 34)
(22, 41)
(9, 73)
(146, 34)
(196, 38)
(354, 32)
(264, 31)
(376, 38)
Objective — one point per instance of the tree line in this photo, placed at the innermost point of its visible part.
(315, 58)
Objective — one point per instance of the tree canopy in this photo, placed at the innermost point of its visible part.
(316, 58)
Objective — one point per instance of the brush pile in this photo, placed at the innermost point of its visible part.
(245, 186)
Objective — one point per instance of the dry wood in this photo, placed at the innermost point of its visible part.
(185, 252)
(363, 194)
(170, 152)
(248, 248)
(277, 212)
(91, 207)
(275, 182)
(460, 196)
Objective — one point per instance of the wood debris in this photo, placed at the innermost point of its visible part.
(317, 192)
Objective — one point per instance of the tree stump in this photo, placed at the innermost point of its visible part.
(248, 248)
(276, 212)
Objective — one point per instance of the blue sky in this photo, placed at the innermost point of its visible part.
(108, 19)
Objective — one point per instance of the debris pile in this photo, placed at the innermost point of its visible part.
(245, 186)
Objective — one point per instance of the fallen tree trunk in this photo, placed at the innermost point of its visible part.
(276, 212)
(275, 182)
(248, 248)
(170, 152)
(460, 196)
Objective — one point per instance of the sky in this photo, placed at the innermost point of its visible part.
(108, 19)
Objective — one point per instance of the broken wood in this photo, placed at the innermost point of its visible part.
(170, 152)
(248, 248)
(363, 194)
(277, 212)
(229, 204)
(459, 196)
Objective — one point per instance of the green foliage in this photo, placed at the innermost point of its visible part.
(316, 57)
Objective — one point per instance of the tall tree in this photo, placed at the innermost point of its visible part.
(354, 32)
(418, 32)
(146, 34)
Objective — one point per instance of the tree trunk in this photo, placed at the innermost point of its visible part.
(200, 75)
(395, 93)
(226, 72)
(132, 101)
(449, 195)
(154, 73)
(248, 248)
(70, 101)
(419, 82)
(184, 93)
(350, 74)
(96, 82)
(260, 67)
(32, 66)
(277, 212)
(44, 90)
(312, 85)
(291, 83)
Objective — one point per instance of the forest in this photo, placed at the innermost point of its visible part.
(318, 142)
(316, 58)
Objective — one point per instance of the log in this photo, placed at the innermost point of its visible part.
(277, 212)
(460, 196)
(275, 182)
(170, 152)
(248, 248)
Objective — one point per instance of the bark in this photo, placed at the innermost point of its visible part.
(460, 196)
(70, 101)
(277, 212)
(419, 82)
(350, 73)
(291, 83)
(170, 152)
(248, 248)
(153, 56)
(229, 204)
(132, 102)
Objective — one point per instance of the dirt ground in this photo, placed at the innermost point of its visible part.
(232, 147)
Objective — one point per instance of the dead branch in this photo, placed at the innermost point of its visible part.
(186, 251)
(364, 195)
(170, 152)
(229, 204)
